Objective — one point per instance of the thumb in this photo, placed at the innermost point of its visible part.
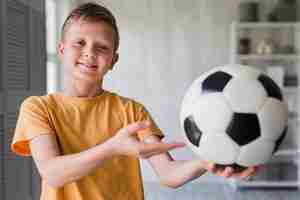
(132, 129)
(211, 167)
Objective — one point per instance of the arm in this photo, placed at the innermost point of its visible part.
(58, 170)
(174, 173)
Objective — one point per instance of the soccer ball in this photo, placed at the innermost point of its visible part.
(235, 116)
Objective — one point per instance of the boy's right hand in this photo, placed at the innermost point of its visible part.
(125, 142)
(230, 172)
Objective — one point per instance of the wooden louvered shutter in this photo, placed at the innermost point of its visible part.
(23, 73)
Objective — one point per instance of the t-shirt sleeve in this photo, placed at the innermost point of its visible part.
(33, 120)
(143, 115)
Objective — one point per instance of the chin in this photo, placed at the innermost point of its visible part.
(86, 79)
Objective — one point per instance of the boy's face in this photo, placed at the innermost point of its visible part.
(87, 51)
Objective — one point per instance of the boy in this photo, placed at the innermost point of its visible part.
(86, 141)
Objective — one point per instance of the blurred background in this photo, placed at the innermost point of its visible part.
(164, 46)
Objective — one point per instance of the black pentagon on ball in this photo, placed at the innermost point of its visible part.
(280, 139)
(243, 128)
(192, 131)
(216, 82)
(270, 86)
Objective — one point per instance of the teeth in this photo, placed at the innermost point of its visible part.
(87, 68)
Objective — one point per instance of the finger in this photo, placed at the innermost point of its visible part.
(220, 167)
(133, 128)
(228, 172)
(251, 174)
(151, 152)
(247, 173)
(221, 171)
(160, 147)
(211, 167)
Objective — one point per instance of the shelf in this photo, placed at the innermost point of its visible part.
(266, 24)
(287, 152)
(290, 89)
(284, 156)
(283, 169)
(269, 57)
(268, 184)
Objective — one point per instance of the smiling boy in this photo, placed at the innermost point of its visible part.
(85, 141)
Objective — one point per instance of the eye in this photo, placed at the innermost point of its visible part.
(102, 49)
(79, 43)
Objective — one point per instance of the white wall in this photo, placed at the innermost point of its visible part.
(164, 46)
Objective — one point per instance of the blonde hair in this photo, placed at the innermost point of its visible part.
(93, 12)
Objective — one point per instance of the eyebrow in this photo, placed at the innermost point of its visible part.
(99, 41)
(102, 43)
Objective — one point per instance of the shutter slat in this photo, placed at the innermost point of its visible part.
(2, 159)
(18, 46)
(24, 74)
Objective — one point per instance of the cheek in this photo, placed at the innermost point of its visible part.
(69, 61)
(72, 54)
(104, 61)
(109, 60)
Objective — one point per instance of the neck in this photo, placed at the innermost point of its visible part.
(79, 89)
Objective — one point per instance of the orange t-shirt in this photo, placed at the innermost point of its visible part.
(79, 124)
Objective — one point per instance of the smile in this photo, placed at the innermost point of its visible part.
(87, 68)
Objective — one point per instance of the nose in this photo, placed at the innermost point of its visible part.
(88, 52)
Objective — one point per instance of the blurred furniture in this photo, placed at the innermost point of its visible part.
(273, 44)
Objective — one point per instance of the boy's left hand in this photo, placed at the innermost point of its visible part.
(229, 172)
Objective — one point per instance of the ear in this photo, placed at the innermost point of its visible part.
(61, 49)
(114, 60)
